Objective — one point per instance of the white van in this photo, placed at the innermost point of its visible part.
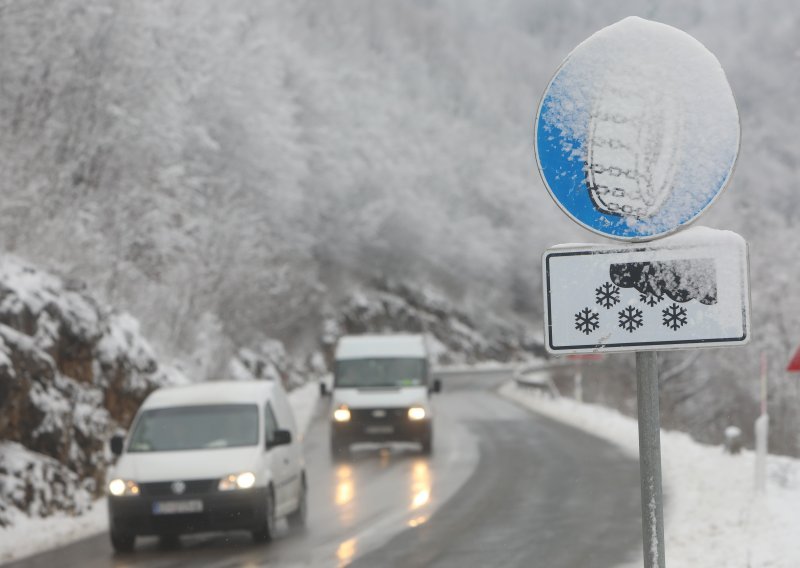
(381, 392)
(207, 457)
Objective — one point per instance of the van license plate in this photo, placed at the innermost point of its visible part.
(382, 429)
(177, 507)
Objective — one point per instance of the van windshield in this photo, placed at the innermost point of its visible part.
(195, 428)
(383, 372)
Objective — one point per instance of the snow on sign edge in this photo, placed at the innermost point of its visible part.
(685, 205)
(694, 237)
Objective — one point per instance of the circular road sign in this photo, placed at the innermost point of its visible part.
(637, 132)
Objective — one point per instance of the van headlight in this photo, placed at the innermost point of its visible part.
(120, 487)
(235, 481)
(341, 414)
(416, 413)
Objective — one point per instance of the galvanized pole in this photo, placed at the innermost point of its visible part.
(650, 459)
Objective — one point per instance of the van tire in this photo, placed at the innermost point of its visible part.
(122, 542)
(266, 531)
(298, 519)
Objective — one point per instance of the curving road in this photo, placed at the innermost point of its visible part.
(504, 488)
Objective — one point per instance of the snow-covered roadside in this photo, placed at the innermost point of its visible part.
(28, 536)
(304, 401)
(713, 517)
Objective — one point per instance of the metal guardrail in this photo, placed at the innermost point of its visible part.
(456, 370)
(521, 374)
(545, 385)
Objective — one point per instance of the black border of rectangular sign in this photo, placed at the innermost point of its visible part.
(603, 346)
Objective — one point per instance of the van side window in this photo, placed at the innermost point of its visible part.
(270, 424)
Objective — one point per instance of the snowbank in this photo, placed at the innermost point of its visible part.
(713, 516)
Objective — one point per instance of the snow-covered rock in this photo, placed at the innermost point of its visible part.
(71, 372)
(269, 360)
(454, 337)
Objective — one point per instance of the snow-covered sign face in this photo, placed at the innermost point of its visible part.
(688, 290)
(638, 131)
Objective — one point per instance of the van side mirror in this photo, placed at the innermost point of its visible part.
(437, 385)
(323, 389)
(280, 438)
(117, 443)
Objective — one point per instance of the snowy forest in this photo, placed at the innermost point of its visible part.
(228, 172)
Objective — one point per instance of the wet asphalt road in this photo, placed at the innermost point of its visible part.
(503, 488)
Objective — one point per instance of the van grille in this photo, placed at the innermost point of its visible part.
(372, 415)
(164, 488)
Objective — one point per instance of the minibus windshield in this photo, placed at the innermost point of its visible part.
(380, 372)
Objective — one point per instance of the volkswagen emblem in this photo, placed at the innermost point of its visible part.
(178, 487)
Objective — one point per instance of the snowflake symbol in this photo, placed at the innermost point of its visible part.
(586, 321)
(607, 295)
(651, 298)
(674, 316)
(630, 319)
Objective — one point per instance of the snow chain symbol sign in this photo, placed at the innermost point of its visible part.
(669, 295)
(637, 133)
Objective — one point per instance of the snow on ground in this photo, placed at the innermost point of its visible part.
(304, 401)
(28, 536)
(714, 518)
(31, 535)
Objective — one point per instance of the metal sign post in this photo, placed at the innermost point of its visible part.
(650, 458)
(621, 143)
(762, 432)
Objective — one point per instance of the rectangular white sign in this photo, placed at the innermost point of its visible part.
(675, 294)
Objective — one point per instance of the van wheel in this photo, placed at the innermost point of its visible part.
(297, 520)
(122, 542)
(266, 530)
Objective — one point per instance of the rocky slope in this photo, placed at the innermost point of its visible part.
(454, 336)
(71, 372)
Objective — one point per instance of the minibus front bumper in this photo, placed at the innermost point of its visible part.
(381, 425)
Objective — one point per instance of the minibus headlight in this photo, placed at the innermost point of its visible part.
(341, 414)
(120, 487)
(235, 481)
(416, 413)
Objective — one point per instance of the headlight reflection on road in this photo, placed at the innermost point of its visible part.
(345, 491)
(420, 485)
(385, 455)
(345, 552)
